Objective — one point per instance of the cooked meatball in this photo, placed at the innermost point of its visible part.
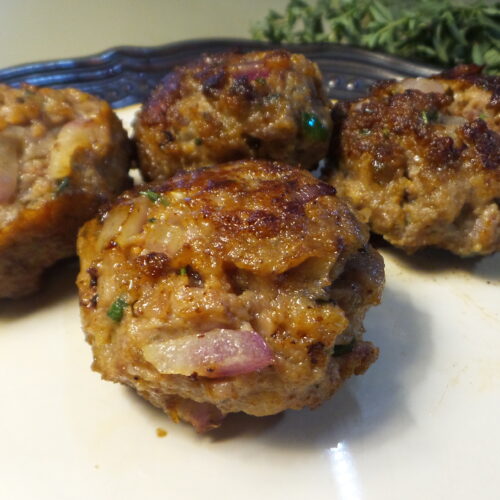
(62, 153)
(419, 161)
(240, 287)
(231, 106)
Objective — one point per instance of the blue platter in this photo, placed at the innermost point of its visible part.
(126, 75)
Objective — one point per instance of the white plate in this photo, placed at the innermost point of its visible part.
(421, 423)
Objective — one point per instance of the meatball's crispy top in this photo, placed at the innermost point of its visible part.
(232, 106)
(258, 215)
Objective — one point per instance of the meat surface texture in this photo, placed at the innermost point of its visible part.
(419, 161)
(231, 106)
(62, 153)
(238, 287)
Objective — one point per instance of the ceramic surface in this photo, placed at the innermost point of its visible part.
(421, 423)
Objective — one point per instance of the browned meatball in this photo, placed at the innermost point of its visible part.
(233, 106)
(240, 287)
(62, 153)
(419, 160)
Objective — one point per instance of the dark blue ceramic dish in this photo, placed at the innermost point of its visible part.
(125, 75)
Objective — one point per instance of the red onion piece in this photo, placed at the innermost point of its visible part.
(217, 353)
(251, 71)
(202, 416)
(425, 85)
(8, 169)
(8, 183)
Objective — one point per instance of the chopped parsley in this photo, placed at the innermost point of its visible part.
(198, 141)
(116, 310)
(365, 131)
(313, 127)
(183, 271)
(152, 220)
(61, 185)
(261, 80)
(155, 197)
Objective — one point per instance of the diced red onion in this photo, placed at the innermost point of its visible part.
(8, 184)
(217, 353)
(76, 135)
(251, 71)
(452, 121)
(425, 85)
(8, 170)
(310, 192)
(202, 416)
(134, 223)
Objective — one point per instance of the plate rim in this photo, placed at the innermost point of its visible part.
(125, 74)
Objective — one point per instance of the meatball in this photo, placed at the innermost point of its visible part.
(232, 106)
(62, 153)
(419, 161)
(239, 287)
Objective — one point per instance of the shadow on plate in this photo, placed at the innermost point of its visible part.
(371, 405)
(58, 284)
(235, 425)
(436, 260)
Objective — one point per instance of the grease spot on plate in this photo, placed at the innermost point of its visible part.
(160, 432)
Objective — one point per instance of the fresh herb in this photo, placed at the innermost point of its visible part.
(446, 33)
(313, 127)
(198, 141)
(483, 116)
(61, 185)
(260, 80)
(155, 197)
(341, 349)
(365, 131)
(183, 271)
(429, 116)
(152, 220)
(115, 311)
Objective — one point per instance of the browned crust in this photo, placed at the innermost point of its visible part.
(39, 238)
(273, 248)
(39, 225)
(231, 106)
(423, 168)
(466, 75)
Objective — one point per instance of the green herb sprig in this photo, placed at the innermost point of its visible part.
(116, 310)
(155, 197)
(313, 127)
(447, 32)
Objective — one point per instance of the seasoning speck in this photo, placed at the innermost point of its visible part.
(161, 433)
(61, 185)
